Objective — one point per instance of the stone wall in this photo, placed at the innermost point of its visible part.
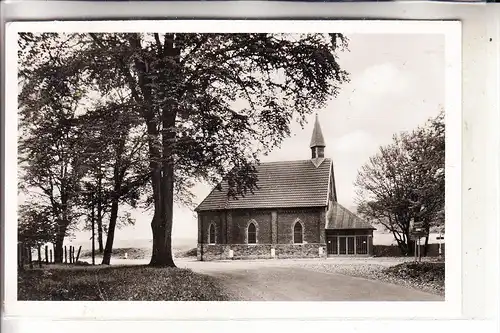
(300, 250)
(259, 251)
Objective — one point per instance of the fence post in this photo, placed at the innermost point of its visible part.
(78, 254)
(50, 256)
(39, 248)
(71, 254)
(47, 254)
(65, 255)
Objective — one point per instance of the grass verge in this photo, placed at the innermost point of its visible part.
(121, 283)
(428, 276)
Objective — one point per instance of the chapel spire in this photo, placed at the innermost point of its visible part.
(317, 144)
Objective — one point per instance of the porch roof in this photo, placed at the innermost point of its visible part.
(339, 217)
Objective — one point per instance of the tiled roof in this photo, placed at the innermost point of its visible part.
(280, 185)
(317, 139)
(339, 217)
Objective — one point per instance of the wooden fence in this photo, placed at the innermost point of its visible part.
(25, 255)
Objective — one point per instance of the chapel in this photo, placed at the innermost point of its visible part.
(293, 213)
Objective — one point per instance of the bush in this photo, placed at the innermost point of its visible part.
(423, 272)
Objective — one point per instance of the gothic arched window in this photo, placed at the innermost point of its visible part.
(211, 234)
(252, 234)
(297, 233)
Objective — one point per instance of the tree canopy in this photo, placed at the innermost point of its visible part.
(208, 104)
(404, 182)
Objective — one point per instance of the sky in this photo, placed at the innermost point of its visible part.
(397, 82)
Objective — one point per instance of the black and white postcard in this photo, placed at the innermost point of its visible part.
(218, 167)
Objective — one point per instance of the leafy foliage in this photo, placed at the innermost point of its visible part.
(206, 105)
(49, 102)
(404, 182)
(36, 225)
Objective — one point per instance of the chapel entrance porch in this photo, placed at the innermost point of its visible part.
(349, 242)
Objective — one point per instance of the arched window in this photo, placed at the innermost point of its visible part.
(297, 233)
(252, 234)
(211, 234)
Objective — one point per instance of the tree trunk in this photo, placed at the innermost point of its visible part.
(39, 250)
(426, 245)
(108, 250)
(58, 248)
(20, 256)
(99, 231)
(92, 219)
(30, 258)
(162, 225)
(99, 214)
(162, 173)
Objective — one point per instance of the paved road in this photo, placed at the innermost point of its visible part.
(267, 282)
(286, 280)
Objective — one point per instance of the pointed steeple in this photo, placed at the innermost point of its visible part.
(317, 139)
(317, 144)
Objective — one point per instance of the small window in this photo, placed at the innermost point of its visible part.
(252, 234)
(297, 233)
(211, 234)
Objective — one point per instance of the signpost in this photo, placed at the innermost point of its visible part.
(417, 232)
(440, 238)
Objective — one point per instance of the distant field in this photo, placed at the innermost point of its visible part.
(180, 244)
(138, 253)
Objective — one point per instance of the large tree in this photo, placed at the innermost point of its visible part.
(404, 183)
(211, 103)
(118, 171)
(51, 94)
(74, 134)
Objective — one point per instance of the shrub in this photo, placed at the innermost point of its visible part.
(421, 271)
